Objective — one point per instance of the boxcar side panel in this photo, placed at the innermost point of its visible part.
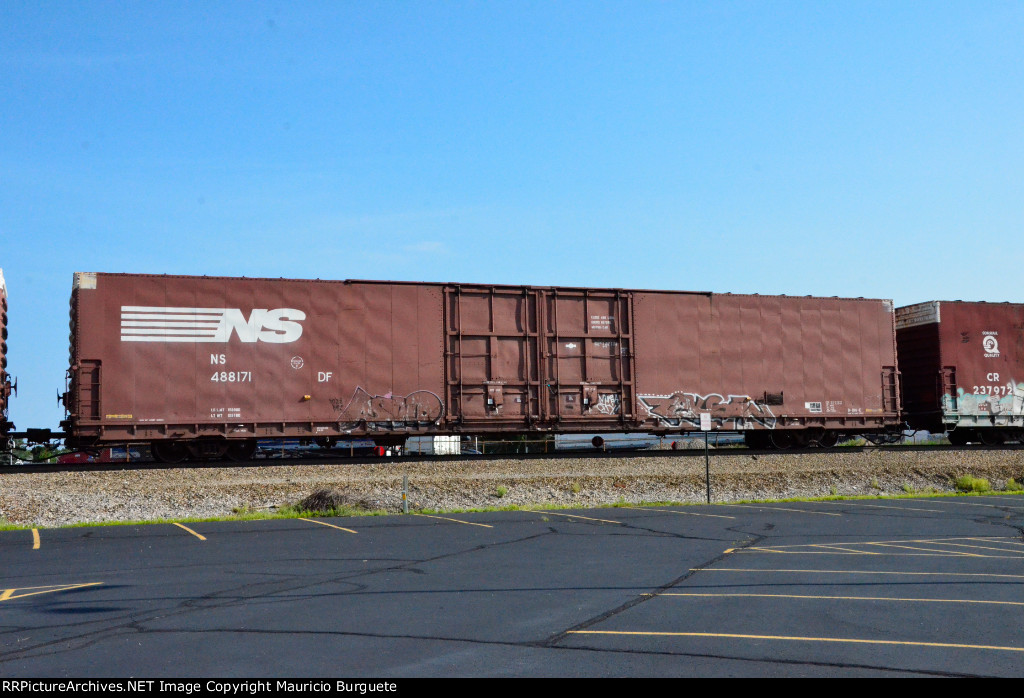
(162, 357)
(984, 343)
(765, 362)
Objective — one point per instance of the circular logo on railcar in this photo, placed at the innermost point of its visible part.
(297, 362)
(991, 346)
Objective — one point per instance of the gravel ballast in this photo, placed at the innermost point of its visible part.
(62, 498)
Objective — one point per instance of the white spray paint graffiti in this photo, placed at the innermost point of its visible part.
(385, 412)
(608, 403)
(729, 411)
(1007, 403)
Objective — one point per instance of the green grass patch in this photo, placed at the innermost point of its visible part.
(969, 483)
(6, 525)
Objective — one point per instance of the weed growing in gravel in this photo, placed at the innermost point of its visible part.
(1012, 486)
(6, 525)
(575, 487)
(874, 483)
(833, 490)
(244, 511)
(969, 483)
(501, 491)
(907, 488)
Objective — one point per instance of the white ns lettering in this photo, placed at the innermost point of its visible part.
(279, 326)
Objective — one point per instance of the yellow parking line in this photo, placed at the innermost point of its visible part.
(946, 645)
(577, 516)
(35, 539)
(951, 553)
(773, 508)
(848, 550)
(851, 598)
(936, 541)
(10, 593)
(909, 574)
(672, 511)
(857, 503)
(956, 500)
(992, 540)
(340, 528)
(988, 547)
(190, 531)
(468, 523)
(829, 552)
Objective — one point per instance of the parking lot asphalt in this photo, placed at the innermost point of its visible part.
(922, 586)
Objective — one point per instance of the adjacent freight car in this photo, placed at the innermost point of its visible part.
(5, 378)
(202, 367)
(963, 369)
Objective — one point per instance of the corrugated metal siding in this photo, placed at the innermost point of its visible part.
(978, 397)
(380, 344)
(726, 354)
(376, 358)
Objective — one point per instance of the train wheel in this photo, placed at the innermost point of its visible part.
(782, 440)
(241, 450)
(992, 437)
(828, 439)
(169, 451)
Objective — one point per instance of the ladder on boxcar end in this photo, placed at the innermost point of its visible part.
(890, 390)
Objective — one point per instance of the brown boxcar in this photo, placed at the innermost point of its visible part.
(963, 369)
(5, 378)
(201, 365)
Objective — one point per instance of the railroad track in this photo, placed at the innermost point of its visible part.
(325, 459)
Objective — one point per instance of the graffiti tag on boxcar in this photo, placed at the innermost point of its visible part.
(608, 403)
(388, 411)
(986, 400)
(728, 411)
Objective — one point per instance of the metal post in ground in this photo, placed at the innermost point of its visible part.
(705, 426)
(405, 494)
(707, 467)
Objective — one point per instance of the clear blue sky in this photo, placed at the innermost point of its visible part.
(829, 148)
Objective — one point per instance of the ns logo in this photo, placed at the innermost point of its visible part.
(195, 325)
(280, 326)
